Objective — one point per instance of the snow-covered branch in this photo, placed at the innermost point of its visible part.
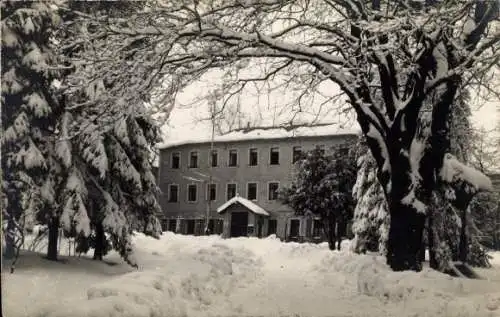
(453, 171)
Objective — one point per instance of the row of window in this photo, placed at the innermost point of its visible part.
(215, 226)
(193, 226)
(314, 229)
(197, 226)
(232, 159)
(231, 191)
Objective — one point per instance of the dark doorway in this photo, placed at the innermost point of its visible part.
(190, 226)
(294, 229)
(239, 224)
(172, 225)
(211, 226)
(260, 223)
(273, 225)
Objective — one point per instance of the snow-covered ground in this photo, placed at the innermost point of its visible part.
(208, 276)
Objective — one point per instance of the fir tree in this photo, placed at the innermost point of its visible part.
(73, 165)
(111, 149)
(371, 217)
(29, 116)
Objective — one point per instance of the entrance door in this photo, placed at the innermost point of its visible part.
(190, 226)
(294, 229)
(239, 224)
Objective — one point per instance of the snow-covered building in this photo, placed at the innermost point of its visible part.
(236, 179)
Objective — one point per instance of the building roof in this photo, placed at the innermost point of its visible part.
(256, 209)
(263, 134)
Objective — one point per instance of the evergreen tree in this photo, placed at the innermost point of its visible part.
(452, 235)
(371, 217)
(67, 163)
(323, 187)
(111, 149)
(29, 116)
(485, 214)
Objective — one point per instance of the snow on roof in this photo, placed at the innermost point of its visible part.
(263, 133)
(454, 170)
(256, 209)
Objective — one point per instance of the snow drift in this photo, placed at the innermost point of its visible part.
(208, 276)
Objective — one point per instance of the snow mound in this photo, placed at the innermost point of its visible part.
(186, 287)
(427, 290)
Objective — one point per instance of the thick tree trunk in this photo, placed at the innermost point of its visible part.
(53, 238)
(99, 242)
(329, 229)
(405, 237)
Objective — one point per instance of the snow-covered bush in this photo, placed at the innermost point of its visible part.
(323, 187)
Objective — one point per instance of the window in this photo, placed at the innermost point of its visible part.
(214, 158)
(252, 157)
(272, 226)
(193, 159)
(252, 191)
(192, 195)
(274, 156)
(211, 192)
(233, 158)
(173, 193)
(272, 190)
(172, 225)
(215, 226)
(317, 227)
(176, 160)
(199, 226)
(231, 191)
(296, 154)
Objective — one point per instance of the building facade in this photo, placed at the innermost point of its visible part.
(235, 180)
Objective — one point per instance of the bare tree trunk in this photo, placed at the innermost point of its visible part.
(99, 242)
(10, 250)
(405, 237)
(329, 229)
(53, 238)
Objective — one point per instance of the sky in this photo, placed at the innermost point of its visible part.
(186, 120)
